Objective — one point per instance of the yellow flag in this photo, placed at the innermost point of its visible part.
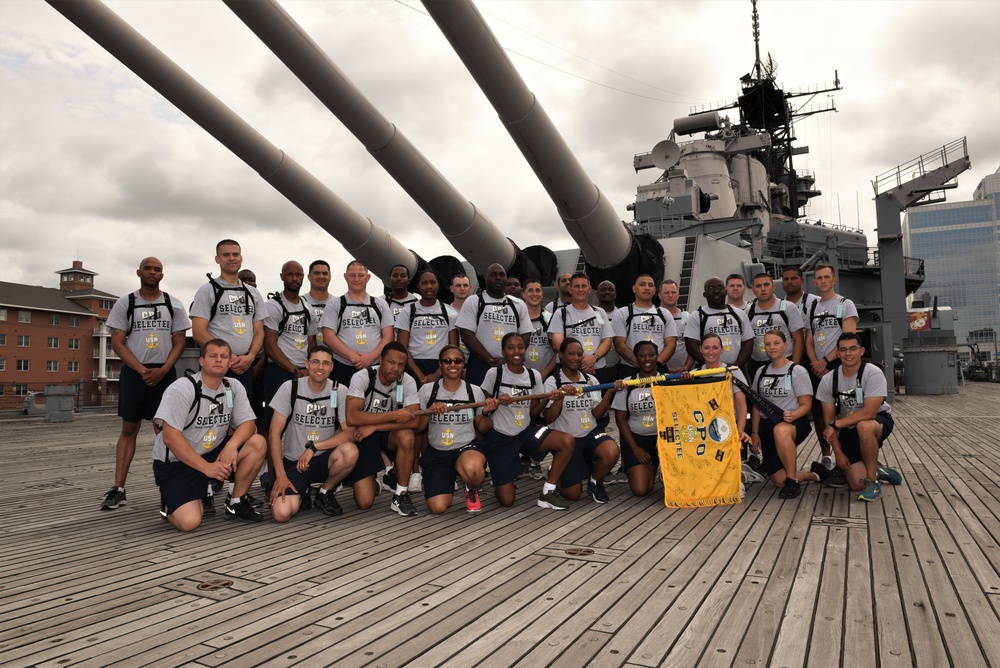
(698, 443)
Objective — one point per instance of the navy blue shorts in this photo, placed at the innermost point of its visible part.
(179, 483)
(370, 456)
(647, 443)
(318, 472)
(136, 400)
(769, 454)
(274, 377)
(579, 467)
(438, 468)
(851, 444)
(503, 452)
(475, 371)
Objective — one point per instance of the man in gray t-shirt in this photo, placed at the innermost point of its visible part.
(289, 331)
(718, 317)
(207, 433)
(485, 319)
(857, 421)
(228, 309)
(147, 333)
(356, 325)
(590, 326)
(380, 406)
(307, 442)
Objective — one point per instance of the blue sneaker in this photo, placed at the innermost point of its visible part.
(597, 493)
(886, 474)
(871, 492)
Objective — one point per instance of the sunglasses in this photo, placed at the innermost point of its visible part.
(453, 360)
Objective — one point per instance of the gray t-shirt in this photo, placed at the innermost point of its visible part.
(397, 306)
(852, 394)
(235, 314)
(763, 321)
(513, 419)
(381, 398)
(825, 320)
(539, 350)
(783, 387)
(680, 356)
(318, 306)
(206, 425)
(729, 322)
(454, 429)
(317, 416)
(360, 325)
(638, 402)
(152, 326)
(293, 338)
(577, 415)
(589, 326)
(644, 324)
(428, 327)
(500, 316)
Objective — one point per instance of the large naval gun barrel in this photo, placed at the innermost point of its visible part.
(362, 238)
(587, 214)
(471, 233)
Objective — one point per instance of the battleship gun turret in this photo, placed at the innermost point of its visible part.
(362, 238)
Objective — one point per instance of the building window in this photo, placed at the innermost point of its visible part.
(3, 339)
(73, 367)
(23, 341)
(53, 318)
(22, 365)
(74, 321)
(24, 316)
(52, 365)
(105, 304)
(73, 344)
(53, 342)
(1, 389)
(3, 314)
(21, 389)
(3, 367)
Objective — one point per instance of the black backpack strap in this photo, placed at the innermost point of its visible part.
(130, 313)
(434, 393)
(499, 379)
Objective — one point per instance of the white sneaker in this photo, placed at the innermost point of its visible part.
(828, 462)
(751, 476)
(743, 491)
(416, 483)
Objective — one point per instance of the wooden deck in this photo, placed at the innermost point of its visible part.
(824, 580)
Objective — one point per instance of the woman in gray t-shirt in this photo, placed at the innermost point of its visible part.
(424, 328)
(787, 386)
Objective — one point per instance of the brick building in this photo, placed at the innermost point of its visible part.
(52, 336)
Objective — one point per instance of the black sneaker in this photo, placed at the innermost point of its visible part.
(389, 480)
(834, 478)
(401, 504)
(208, 506)
(163, 512)
(596, 491)
(306, 503)
(328, 504)
(243, 511)
(791, 489)
(113, 499)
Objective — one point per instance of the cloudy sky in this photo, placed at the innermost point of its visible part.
(96, 166)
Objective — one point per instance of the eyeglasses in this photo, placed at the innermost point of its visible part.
(321, 363)
(852, 349)
(453, 360)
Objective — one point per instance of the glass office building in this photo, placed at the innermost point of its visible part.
(960, 245)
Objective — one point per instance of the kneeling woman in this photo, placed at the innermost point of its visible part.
(711, 350)
(787, 386)
(578, 415)
(450, 435)
(635, 415)
(512, 432)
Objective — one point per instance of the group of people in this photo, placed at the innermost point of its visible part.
(404, 393)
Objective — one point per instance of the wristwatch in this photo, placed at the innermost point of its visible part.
(833, 423)
(311, 446)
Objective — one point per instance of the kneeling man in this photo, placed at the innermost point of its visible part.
(307, 441)
(207, 433)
